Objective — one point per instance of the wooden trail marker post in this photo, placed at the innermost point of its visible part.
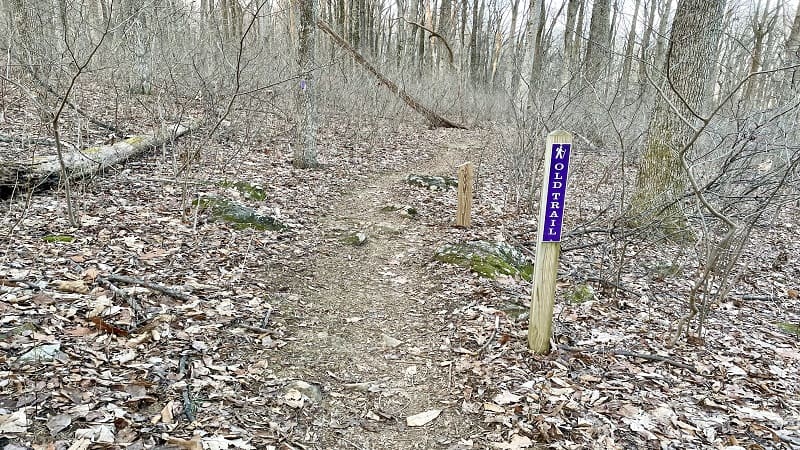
(466, 174)
(548, 247)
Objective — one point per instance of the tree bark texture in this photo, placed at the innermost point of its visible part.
(693, 43)
(597, 53)
(305, 151)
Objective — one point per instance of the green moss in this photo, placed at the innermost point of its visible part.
(240, 216)
(91, 150)
(791, 328)
(580, 294)
(487, 259)
(58, 238)
(248, 190)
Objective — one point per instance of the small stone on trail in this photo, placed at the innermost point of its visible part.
(423, 418)
(356, 239)
(390, 341)
(312, 391)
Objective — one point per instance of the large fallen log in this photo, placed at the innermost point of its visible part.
(435, 120)
(45, 171)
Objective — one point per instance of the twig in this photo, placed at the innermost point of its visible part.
(265, 322)
(152, 286)
(757, 297)
(188, 405)
(491, 337)
(117, 132)
(254, 328)
(646, 356)
(612, 284)
(18, 281)
(137, 310)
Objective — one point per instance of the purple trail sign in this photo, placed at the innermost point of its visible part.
(556, 191)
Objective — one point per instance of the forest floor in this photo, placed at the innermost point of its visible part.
(295, 339)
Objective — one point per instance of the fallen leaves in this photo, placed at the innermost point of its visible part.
(423, 418)
(16, 422)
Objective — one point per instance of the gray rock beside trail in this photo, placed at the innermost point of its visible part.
(432, 182)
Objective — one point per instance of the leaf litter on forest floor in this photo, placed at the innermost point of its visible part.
(204, 369)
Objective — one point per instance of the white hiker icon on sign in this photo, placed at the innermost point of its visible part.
(560, 152)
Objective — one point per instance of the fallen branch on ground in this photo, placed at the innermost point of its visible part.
(152, 286)
(646, 356)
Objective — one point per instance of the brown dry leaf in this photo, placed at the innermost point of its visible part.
(91, 274)
(190, 444)
(107, 327)
(505, 397)
(74, 287)
(16, 422)
(80, 331)
(58, 423)
(42, 299)
(166, 412)
(153, 254)
(517, 442)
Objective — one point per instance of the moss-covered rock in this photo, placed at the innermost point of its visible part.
(487, 259)
(403, 210)
(248, 190)
(432, 182)
(355, 239)
(240, 216)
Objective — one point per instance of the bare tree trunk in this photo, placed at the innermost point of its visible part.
(400, 31)
(305, 151)
(629, 45)
(474, 58)
(793, 50)
(693, 42)
(661, 37)
(597, 52)
(515, 49)
(534, 30)
(568, 64)
(644, 56)
(762, 24)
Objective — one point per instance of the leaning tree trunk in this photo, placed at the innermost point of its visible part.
(693, 42)
(45, 172)
(435, 120)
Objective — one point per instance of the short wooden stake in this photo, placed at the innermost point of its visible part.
(465, 176)
(548, 247)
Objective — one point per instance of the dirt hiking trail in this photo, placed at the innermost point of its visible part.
(370, 333)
